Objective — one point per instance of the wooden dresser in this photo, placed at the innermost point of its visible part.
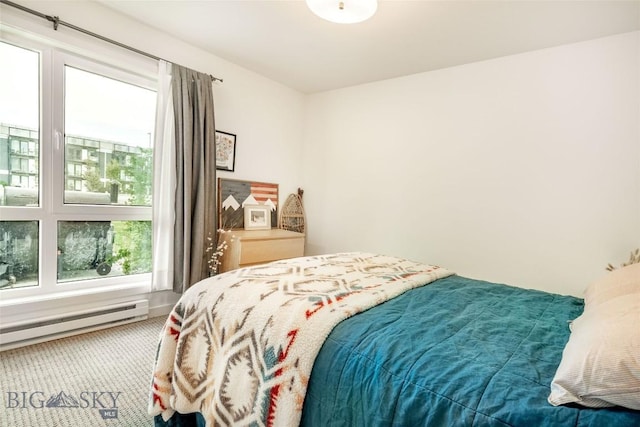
(250, 247)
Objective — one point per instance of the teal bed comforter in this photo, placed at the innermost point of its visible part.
(457, 352)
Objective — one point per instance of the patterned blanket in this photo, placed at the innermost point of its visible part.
(239, 347)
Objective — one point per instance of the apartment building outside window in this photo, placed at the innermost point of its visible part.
(75, 171)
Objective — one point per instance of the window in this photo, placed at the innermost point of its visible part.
(102, 117)
(75, 171)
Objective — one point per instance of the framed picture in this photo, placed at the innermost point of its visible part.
(225, 151)
(234, 194)
(257, 217)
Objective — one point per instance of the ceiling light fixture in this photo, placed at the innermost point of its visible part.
(343, 11)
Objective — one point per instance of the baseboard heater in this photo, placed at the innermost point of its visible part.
(72, 323)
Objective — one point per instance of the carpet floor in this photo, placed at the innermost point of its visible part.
(97, 379)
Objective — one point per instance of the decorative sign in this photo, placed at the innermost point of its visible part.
(234, 195)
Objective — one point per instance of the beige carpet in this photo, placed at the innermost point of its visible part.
(96, 379)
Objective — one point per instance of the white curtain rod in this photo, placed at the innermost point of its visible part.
(56, 22)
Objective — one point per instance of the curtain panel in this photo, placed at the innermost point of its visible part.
(164, 183)
(195, 195)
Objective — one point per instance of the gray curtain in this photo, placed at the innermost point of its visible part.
(195, 208)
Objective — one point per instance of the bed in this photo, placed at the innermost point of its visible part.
(361, 339)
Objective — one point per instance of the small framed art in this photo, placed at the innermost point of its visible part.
(225, 151)
(257, 217)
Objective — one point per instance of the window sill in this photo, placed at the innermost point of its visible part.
(137, 287)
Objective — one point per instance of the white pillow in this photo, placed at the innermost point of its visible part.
(601, 362)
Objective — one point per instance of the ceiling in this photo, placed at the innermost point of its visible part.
(284, 41)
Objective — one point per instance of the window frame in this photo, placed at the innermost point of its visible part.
(51, 173)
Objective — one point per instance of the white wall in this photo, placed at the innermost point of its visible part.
(523, 169)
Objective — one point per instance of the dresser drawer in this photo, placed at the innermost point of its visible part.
(250, 247)
(259, 251)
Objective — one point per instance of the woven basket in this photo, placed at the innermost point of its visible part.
(292, 214)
